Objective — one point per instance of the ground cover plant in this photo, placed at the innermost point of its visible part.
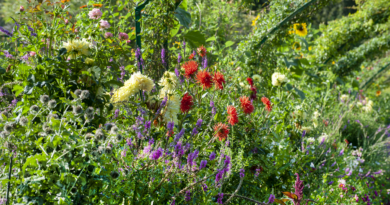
(163, 102)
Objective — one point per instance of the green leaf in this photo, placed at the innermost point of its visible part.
(62, 51)
(211, 39)
(2, 70)
(17, 89)
(175, 29)
(31, 78)
(183, 5)
(195, 38)
(183, 16)
(28, 89)
(228, 44)
(300, 93)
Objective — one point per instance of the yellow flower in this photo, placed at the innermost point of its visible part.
(76, 48)
(297, 46)
(300, 29)
(333, 62)
(309, 48)
(378, 93)
(132, 86)
(89, 61)
(254, 21)
(256, 77)
(169, 81)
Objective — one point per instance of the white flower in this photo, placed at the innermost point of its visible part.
(292, 160)
(316, 114)
(278, 79)
(359, 104)
(343, 182)
(312, 165)
(256, 78)
(368, 106)
(307, 129)
(323, 137)
(344, 98)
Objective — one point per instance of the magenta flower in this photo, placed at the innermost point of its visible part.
(123, 36)
(108, 35)
(21, 8)
(104, 24)
(95, 14)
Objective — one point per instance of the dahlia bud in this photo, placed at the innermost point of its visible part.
(66, 21)
(21, 8)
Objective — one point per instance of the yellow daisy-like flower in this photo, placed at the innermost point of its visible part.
(309, 48)
(254, 21)
(77, 47)
(300, 29)
(296, 46)
(333, 62)
(132, 86)
(169, 81)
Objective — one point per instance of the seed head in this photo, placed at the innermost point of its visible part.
(4, 134)
(77, 109)
(88, 136)
(8, 127)
(52, 116)
(8, 145)
(45, 127)
(84, 94)
(77, 93)
(52, 104)
(89, 110)
(34, 109)
(23, 121)
(44, 99)
(108, 150)
(114, 174)
(99, 134)
(114, 130)
(119, 137)
(109, 126)
(89, 117)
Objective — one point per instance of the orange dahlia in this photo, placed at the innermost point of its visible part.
(202, 51)
(190, 68)
(267, 103)
(221, 131)
(191, 56)
(246, 105)
(186, 103)
(205, 79)
(219, 80)
(232, 115)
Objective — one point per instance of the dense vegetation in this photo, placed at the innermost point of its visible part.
(195, 102)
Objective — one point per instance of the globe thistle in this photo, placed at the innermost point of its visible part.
(88, 136)
(52, 116)
(8, 145)
(4, 134)
(77, 109)
(77, 93)
(108, 150)
(34, 109)
(119, 137)
(114, 174)
(45, 127)
(114, 130)
(8, 127)
(89, 110)
(100, 150)
(84, 94)
(44, 99)
(88, 117)
(99, 134)
(73, 190)
(23, 121)
(109, 126)
(49, 131)
(52, 104)
(4, 115)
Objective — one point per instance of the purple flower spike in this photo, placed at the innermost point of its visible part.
(271, 199)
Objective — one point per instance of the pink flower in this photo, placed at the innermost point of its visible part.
(32, 53)
(104, 24)
(108, 35)
(95, 14)
(66, 21)
(21, 9)
(128, 41)
(123, 36)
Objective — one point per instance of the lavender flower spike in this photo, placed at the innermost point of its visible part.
(298, 189)
(5, 31)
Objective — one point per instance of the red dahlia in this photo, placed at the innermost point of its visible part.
(246, 105)
(190, 68)
(232, 112)
(250, 81)
(219, 80)
(186, 103)
(202, 51)
(221, 131)
(267, 103)
(191, 56)
(204, 78)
